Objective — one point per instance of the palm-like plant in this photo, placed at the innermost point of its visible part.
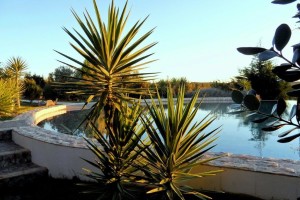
(8, 93)
(177, 145)
(15, 69)
(116, 153)
(113, 57)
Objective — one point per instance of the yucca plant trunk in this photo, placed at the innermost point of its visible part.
(18, 93)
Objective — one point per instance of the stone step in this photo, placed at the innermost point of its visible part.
(21, 175)
(12, 154)
(5, 135)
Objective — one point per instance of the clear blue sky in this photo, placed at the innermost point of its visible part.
(196, 39)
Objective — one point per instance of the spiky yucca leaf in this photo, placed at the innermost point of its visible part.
(116, 153)
(177, 144)
(112, 58)
(15, 69)
(8, 93)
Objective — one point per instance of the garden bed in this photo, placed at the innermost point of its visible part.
(61, 189)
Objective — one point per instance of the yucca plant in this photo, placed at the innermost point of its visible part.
(177, 145)
(15, 69)
(116, 152)
(112, 59)
(8, 93)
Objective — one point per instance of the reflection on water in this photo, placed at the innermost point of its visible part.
(66, 123)
(239, 134)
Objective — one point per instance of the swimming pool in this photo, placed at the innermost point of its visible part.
(238, 135)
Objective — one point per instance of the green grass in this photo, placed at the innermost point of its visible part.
(25, 107)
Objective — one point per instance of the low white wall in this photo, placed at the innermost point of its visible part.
(61, 154)
(62, 161)
(263, 185)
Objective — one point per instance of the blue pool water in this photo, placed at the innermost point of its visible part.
(238, 134)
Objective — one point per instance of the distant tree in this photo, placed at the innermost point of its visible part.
(39, 80)
(32, 90)
(261, 78)
(15, 69)
(49, 92)
(60, 74)
(63, 74)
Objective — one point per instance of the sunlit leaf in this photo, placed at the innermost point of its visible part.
(282, 36)
(266, 55)
(250, 50)
(159, 189)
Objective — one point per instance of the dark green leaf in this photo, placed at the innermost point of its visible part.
(289, 76)
(273, 128)
(267, 55)
(283, 1)
(250, 50)
(287, 132)
(282, 36)
(251, 102)
(236, 112)
(293, 112)
(252, 92)
(298, 109)
(296, 86)
(260, 120)
(296, 56)
(281, 106)
(237, 96)
(294, 93)
(288, 139)
(282, 68)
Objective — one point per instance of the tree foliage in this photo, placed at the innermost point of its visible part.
(32, 90)
(288, 71)
(261, 78)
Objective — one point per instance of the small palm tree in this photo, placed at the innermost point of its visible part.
(177, 145)
(15, 69)
(112, 59)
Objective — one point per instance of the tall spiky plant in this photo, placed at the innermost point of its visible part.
(15, 69)
(116, 153)
(8, 93)
(177, 144)
(113, 59)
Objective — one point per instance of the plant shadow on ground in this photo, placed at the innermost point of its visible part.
(62, 189)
